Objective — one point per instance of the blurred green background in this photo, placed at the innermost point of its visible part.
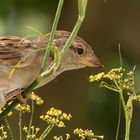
(105, 25)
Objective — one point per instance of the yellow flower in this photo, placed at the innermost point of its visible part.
(3, 133)
(86, 134)
(33, 132)
(120, 78)
(56, 117)
(97, 77)
(33, 96)
(61, 138)
(36, 98)
(23, 108)
(58, 138)
(10, 114)
(68, 136)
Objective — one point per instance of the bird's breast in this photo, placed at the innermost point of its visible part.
(21, 76)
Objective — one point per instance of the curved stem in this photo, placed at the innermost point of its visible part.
(57, 16)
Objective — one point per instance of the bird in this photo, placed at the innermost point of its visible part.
(13, 49)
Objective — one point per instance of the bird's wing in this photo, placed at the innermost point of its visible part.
(13, 49)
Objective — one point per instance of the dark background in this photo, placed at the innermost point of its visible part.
(105, 25)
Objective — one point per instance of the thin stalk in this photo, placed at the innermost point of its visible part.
(120, 55)
(119, 115)
(50, 42)
(9, 128)
(106, 85)
(122, 99)
(82, 4)
(20, 125)
(46, 131)
(119, 120)
(35, 30)
(31, 117)
(111, 88)
(72, 36)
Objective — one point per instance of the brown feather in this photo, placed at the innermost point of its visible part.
(13, 49)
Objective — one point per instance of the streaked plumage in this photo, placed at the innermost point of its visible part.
(14, 49)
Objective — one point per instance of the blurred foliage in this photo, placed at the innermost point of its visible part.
(20, 5)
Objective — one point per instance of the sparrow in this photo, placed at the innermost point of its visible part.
(13, 49)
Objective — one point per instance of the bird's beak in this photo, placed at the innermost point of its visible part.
(91, 61)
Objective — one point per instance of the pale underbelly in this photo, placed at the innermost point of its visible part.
(21, 78)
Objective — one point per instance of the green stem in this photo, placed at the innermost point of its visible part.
(120, 55)
(129, 111)
(31, 117)
(122, 99)
(46, 132)
(106, 85)
(127, 131)
(119, 120)
(57, 16)
(73, 35)
(20, 125)
(9, 128)
(35, 30)
(77, 26)
(127, 120)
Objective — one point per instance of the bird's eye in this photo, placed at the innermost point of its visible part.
(80, 51)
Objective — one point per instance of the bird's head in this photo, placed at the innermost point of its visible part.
(79, 55)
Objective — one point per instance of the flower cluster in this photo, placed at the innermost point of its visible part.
(61, 138)
(23, 108)
(56, 117)
(86, 134)
(3, 133)
(97, 77)
(118, 76)
(114, 75)
(134, 97)
(128, 83)
(36, 98)
(58, 138)
(31, 135)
